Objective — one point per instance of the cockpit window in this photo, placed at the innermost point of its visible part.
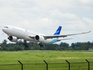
(5, 27)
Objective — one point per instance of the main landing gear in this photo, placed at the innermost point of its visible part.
(41, 45)
(25, 43)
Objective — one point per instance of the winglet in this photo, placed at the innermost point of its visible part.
(58, 30)
(86, 32)
(89, 31)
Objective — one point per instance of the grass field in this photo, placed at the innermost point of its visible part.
(34, 59)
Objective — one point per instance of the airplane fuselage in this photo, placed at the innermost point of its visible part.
(24, 34)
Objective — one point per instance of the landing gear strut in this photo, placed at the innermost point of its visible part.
(25, 43)
(41, 45)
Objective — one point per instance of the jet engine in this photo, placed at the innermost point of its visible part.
(39, 38)
(13, 39)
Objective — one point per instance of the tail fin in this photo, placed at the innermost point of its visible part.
(58, 31)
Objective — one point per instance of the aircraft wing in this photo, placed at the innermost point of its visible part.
(57, 36)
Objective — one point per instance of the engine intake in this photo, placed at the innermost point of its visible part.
(10, 38)
(39, 38)
(13, 39)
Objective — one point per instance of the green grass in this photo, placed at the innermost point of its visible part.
(33, 60)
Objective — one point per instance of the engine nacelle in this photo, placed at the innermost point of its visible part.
(39, 38)
(13, 39)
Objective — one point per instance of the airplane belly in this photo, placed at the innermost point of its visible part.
(29, 39)
(47, 41)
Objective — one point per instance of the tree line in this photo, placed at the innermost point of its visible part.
(4, 46)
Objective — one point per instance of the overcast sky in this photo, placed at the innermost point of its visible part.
(44, 16)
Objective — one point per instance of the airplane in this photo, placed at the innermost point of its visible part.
(15, 33)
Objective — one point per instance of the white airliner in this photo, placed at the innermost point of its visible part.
(15, 33)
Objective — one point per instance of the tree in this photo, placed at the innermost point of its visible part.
(84, 46)
(4, 42)
(50, 47)
(73, 45)
(64, 45)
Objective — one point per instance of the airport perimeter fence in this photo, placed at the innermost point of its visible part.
(49, 66)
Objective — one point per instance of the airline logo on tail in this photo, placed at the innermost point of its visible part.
(58, 31)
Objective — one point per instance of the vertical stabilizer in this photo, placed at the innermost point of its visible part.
(58, 30)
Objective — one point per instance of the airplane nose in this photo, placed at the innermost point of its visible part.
(3, 29)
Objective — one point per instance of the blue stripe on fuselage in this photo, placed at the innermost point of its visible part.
(53, 41)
